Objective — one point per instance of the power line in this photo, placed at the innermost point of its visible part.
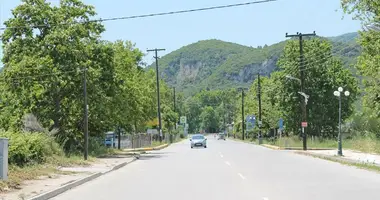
(146, 15)
(40, 75)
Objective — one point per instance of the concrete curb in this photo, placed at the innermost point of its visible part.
(147, 148)
(271, 146)
(160, 147)
(62, 189)
(333, 158)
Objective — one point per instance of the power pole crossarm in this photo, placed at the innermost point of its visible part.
(158, 91)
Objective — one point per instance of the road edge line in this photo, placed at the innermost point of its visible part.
(55, 192)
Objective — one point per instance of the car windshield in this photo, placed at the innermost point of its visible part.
(198, 137)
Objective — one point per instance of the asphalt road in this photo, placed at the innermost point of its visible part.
(229, 170)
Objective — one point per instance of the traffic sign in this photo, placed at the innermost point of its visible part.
(304, 124)
(182, 120)
(281, 123)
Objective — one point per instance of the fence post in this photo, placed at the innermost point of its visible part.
(139, 140)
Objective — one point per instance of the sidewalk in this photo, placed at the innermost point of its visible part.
(356, 156)
(66, 176)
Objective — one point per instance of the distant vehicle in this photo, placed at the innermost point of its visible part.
(198, 140)
(221, 136)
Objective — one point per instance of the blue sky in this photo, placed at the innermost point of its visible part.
(252, 25)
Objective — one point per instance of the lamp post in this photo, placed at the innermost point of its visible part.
(304, 114)
(338, 94)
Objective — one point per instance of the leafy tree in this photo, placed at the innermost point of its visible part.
(44, 67)
(368, 63)
(210, 120)
(323, 75)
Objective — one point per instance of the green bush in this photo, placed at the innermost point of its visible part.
(181, 135)
(29, 148)
(96, 147)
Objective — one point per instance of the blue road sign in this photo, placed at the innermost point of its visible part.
(250, 119)
(281, 123)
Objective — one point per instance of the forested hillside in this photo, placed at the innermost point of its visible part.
(216, 64)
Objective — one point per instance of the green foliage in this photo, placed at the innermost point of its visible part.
(209, 120)
(215, 64)
(43, 74)
(323, 75)
(365, 10)
(368, 63)
(210, 110)
(30, 148)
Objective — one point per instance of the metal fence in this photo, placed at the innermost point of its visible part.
(143, 140)
(134, 141)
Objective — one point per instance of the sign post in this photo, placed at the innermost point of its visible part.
(183, 121)
(304, 125)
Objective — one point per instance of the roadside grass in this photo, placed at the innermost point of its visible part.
(49, 169)
(296, 142)
(17, 175)
(362, 144)
(357, 143)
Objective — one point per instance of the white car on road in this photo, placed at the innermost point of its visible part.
(198, 140)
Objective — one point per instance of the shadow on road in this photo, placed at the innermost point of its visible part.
(159, 153)
(116, 156)
(150, 156)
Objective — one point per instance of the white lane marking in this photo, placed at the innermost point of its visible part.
(221, 155)
(265, 198)
(227, 163)
(241, 176)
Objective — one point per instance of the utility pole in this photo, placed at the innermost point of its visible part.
(118, 137)
(302, 68)
(158, 92)
(85, 114)
(242, 111)
(259, 98)
(224, 117)
(174, 100)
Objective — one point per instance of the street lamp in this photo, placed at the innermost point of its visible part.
(293, 78)
(304, 117)
(338, 94)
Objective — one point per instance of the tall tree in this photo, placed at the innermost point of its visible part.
(46, 50)
(368, 63)
(323, 75)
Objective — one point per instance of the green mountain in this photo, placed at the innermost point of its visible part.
(216, 64)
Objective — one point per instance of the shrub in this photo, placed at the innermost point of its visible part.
(96, 147)
(182, 136)
(30, 148)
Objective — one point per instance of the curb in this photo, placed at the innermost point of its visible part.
(147, 148)
(160, 147)
(271, 146)
(62, 189)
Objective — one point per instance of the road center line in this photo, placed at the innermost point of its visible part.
(241, 176)
(221, 155)
(227, 163)
(265, 198)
